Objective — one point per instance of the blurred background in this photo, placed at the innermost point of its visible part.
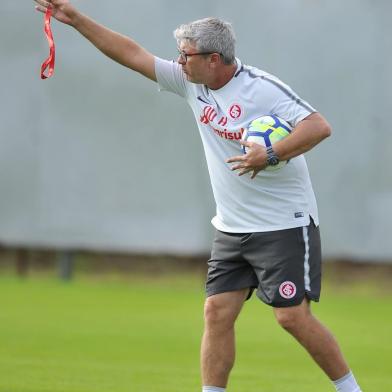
(96, 159)
(104, 180)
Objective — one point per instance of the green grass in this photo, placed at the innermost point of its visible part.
(136, 335)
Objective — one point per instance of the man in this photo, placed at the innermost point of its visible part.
(267, 234)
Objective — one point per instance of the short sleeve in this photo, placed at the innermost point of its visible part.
(288, 105)
(170, 77)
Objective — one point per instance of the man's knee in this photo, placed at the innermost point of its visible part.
(217, 314)
(221, 311)
(292, 318)
(286, 320)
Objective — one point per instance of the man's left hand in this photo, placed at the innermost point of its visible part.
(254, 160)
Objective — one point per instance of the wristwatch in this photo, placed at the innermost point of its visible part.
(272, 158)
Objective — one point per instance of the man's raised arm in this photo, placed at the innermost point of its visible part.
(114, 45)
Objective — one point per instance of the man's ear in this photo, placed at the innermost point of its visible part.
(215, 59)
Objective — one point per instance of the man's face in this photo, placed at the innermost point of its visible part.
(196, 67)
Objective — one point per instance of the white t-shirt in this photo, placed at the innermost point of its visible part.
(273, 200)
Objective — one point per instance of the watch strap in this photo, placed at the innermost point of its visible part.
(272, 158)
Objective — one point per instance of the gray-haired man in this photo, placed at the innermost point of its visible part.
(267, 234)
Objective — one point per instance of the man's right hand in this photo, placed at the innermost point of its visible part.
(62, 10)
(118, 47)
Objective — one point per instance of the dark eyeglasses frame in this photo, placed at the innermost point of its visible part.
(184, 56)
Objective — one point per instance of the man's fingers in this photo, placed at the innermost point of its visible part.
(40, 8)
(241, 166)
(236, 167)
(245, 143)
(238, 158)
(254, 174)
(42, 3)
(244, 171)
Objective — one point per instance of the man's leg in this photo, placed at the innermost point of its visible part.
(218, 346)
(316, 339)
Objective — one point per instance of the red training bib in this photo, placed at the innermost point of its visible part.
(49, 62)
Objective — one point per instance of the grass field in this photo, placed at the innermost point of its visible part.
(103, 335)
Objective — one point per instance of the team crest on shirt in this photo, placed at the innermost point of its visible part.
(235, 112)
(287, 289)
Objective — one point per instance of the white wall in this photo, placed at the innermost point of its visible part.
(96, 158)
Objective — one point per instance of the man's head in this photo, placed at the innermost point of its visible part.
(205, 46)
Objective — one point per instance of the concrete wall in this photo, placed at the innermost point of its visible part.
(96, 158)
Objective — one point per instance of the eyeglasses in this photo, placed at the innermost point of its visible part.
(184, 56)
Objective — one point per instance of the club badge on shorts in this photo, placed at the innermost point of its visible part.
(287, 289)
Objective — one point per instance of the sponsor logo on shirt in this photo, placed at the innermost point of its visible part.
(209, 116)
(223, 121)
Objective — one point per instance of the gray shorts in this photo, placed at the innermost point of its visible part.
(284, 265)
